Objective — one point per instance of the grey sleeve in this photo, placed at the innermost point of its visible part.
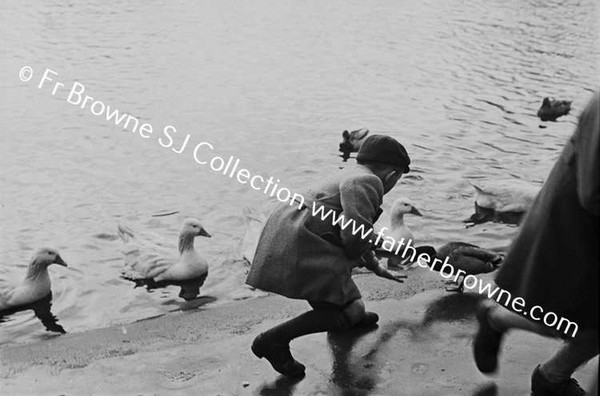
(360, 198)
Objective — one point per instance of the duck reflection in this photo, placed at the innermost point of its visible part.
(357, 371)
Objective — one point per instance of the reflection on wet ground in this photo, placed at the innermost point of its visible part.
(488, 389)
(358, 375)
(424, 348)
(421, 347)
(282, 386)
(348, 374)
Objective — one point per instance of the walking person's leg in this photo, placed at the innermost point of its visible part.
(494, 322)
(550, 378)
(554, 376)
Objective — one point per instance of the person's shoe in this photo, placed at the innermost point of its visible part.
(486, 346)
(278, 355)
(370, 319)
(540, 386)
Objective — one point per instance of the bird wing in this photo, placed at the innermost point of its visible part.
(359, 133)
(470, 265)
(477, 252)
(143, 258)
(475, 260)
(505, 196)
(560, 105)
(485, 197)
(7, 292)
(188, 267)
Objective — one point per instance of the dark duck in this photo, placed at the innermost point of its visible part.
(351, 141)
(469, 258)
(552, 109)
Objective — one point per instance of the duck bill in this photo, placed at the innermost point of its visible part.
(60, 261)
(415, 211)
(204, 233)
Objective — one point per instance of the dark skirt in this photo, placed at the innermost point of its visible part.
(554, 260)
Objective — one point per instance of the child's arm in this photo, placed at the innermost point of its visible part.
(360, 198)
(372, 264)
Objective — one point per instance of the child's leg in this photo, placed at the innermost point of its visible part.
(323, 317)
(274, 343)
(359, 316)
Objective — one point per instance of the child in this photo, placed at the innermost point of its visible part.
(304, 257)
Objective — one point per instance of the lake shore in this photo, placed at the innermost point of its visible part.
(422, 347)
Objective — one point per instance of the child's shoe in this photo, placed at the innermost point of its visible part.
(278, 355)
(370, 319)
(540, 386)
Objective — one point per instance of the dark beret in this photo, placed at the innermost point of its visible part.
(384, 150)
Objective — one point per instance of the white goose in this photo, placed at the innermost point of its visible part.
(147, 266)
(35, 291)
(398, 229)
(502, 199)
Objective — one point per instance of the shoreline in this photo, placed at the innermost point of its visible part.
(423, 333)
(211, 319)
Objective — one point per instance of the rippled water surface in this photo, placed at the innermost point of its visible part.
(273, 84)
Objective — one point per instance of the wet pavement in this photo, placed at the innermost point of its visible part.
(421, 347)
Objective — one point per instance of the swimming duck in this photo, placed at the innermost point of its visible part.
(146, 266)
(351, 141)
(398, 229)
(35, 291)
(552, 109)
(503, 201)
(472, 259)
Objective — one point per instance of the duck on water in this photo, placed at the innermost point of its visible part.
(502, 201)
(351, 142)
(34, 292)
(553, 109)
(146, 265)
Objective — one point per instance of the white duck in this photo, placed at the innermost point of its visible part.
(502, 198)
(147, 266)
(35, 291)
(398, 229)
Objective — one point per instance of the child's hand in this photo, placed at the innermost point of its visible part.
(382, 272)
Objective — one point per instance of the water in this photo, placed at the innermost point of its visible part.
(273, 84)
